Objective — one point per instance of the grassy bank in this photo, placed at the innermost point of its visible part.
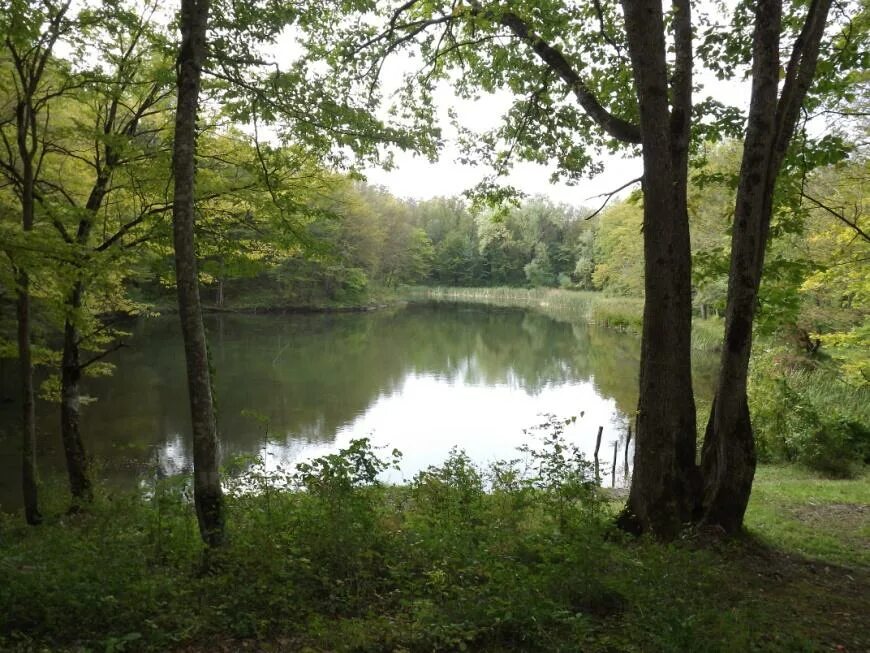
(624, 313)
(531, 564)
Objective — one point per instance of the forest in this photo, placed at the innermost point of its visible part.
(203, 168)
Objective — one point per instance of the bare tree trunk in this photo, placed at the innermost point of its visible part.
(81, 488)
(728, 455)
(70, 407)
(28, 411)
(208, 494)
(29, 475)
(728, 459)
(665, 480)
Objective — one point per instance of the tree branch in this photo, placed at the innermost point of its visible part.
(608, 196)
(102, 355)
(618, 128)
(798, 77)
(681, 83)
(840, 216)
(599, 13)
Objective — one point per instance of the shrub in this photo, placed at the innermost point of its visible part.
(808, 417)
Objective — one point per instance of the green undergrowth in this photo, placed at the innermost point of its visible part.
(804, 412)
(518, 556)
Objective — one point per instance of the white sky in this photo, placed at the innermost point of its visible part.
(415, 177)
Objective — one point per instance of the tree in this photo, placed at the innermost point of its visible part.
(836, 291)
(208, 495)
(30, 35)
(728, 456)
(541, 50)
(619, 250)
(116, 123)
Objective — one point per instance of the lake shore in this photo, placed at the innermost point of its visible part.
(591, 307)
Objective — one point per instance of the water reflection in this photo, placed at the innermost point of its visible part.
(421, 379)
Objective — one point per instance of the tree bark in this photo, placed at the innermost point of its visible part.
(665, 480)
(208, 495)
(28, 412)
(728, 454)
(29, 477)
(22, 169)
(70, 406)
(77, 465)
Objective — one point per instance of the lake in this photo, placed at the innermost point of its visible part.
(422, 379)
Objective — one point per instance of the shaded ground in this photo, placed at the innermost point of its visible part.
(822, 603)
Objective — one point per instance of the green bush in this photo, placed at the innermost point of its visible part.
(810, 417)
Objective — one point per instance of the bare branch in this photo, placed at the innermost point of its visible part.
(102, 355)
(681, 84)
(608, 196)
(839, 215)
(798, 77)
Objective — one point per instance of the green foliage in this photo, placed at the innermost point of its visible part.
(619, 250)
(515, 557)
(808, 416)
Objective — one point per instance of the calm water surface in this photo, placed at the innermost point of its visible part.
(421, 379)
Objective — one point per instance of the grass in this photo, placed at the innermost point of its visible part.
(624, 313)
(461, 558)
(823, 519)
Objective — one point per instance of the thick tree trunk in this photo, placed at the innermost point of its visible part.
(208, 495)
(664, 482)
(70, 407)
(728, 455)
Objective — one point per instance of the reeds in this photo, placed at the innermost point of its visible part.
(622, 313)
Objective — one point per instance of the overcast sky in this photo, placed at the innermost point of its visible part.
(415, 177)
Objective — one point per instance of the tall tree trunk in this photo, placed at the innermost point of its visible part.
(665, 479)
(70, 406)
(29, 476)
(28, 410)
(208, 495)
(29, 64)
(81, 488)
(728, 455)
